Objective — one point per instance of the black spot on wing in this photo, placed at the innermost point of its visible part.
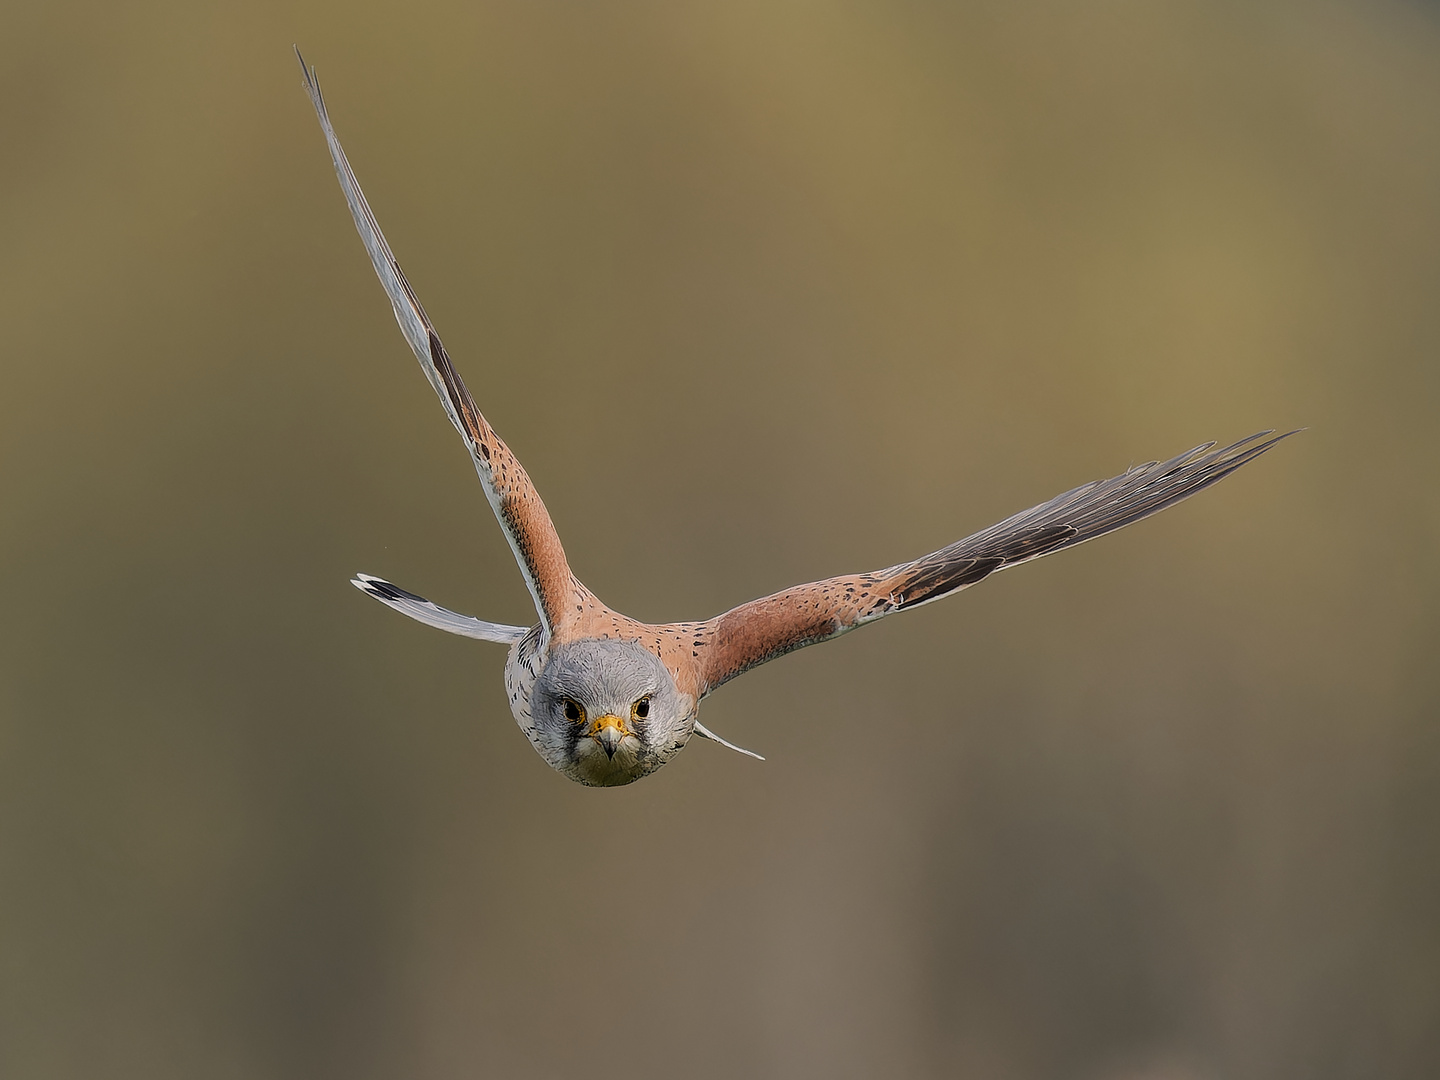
(947, 569)
(455, 390)
(931, 581)
(392, 592)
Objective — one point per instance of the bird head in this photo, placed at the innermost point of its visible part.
(606, 712)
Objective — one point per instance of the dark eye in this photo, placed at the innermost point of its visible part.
(574, 711)
(641, 709)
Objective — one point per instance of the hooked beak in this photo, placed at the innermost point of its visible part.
(608, 731)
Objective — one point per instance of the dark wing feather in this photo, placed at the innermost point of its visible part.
(806, 614)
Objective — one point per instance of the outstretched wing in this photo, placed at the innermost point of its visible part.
(513, 497)
(422, 610)
(806, 614)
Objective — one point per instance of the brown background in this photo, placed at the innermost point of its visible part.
(1166, 807)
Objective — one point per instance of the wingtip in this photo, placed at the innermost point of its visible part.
(312, 81)
(1257, 444)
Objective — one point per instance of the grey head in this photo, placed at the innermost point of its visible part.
(606, 712)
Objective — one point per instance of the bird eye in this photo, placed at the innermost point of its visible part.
(641, 709)
(574, 711)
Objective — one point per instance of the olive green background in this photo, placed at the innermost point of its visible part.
(760, 293)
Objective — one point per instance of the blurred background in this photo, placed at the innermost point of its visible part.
(1163, 808)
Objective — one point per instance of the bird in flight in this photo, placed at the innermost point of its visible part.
(606, 699)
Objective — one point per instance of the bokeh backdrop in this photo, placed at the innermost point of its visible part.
(1163, 808)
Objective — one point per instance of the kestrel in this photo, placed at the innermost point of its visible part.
(606, 699)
